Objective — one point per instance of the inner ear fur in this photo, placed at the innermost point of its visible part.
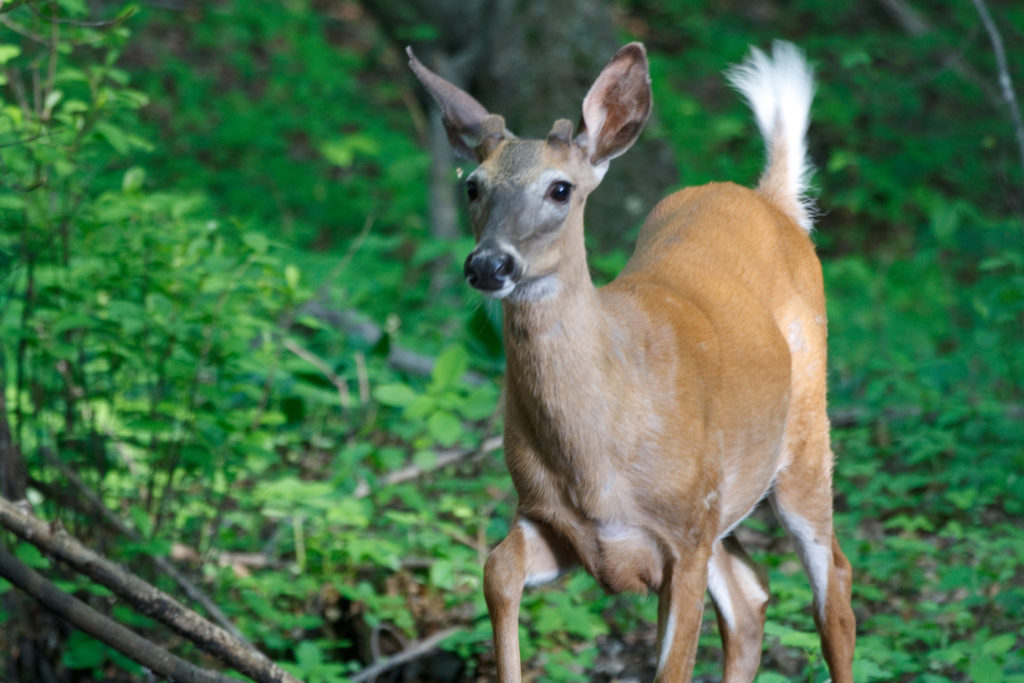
(617, 105)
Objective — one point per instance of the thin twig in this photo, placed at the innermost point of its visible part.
(18, 28)
(353, 248)
(415, 651)
(144, 597)
(444, 459)
(1006, 85)
(911, 21)
(103, 628)
(320, 364)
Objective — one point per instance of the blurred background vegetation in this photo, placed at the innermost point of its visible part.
(234, 333)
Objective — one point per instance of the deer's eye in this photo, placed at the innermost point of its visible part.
(560, 191)
(472, 190)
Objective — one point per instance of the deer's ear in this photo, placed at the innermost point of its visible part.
(473, 132)
(617, 105)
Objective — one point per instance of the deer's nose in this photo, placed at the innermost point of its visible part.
(492, 270)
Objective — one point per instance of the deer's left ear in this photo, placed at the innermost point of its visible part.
(472, 131)
(617, 105)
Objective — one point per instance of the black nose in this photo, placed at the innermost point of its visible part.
(490, 270)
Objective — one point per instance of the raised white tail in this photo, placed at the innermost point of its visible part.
(646, 419)
(780, 89)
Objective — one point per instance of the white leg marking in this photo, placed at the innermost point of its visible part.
(534, 576)
(541, 578)
(720, 592)
(816, 556)
(666, 642)
(751, 586)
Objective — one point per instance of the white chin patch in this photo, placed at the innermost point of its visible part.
(499, 293)
(536, 289)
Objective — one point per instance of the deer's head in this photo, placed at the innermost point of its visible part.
(526, 195)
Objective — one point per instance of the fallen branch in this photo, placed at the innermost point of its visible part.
(416, 650)
(189, 588)
(357, 325)
(144, 597)
(83, 617)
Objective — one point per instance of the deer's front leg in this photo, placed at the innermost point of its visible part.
(680, 609)
(530, 555)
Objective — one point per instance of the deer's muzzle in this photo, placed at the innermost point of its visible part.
(493, 270)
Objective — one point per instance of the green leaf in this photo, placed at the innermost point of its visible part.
(425, 459)
(256, 241)
(444, 427)
(114, 136)
(394, 395)
(83, 652)
(999, 645)
(343, 152)
(442, 574)
(480, 403)
(449, 368)
(74, 7)
(133, 179)
(291, 276)
(142, 521)
(8, 52)
(308, 656)
(30, 555)
(855, 58)
(789, 637)
(12, 202)
(985, 668)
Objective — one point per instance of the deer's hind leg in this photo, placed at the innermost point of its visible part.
(802, 501)
(739, 589)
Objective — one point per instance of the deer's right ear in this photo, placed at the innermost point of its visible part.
(617, 105)
(472, 131)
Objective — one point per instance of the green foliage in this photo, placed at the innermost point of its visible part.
(183, 195)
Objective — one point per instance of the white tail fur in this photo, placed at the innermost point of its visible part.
(779, 89)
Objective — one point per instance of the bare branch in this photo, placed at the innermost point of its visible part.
(911, 21)
(1005, 84)
(144, 597)
(103, 628)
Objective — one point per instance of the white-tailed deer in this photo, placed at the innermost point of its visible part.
(646, 419)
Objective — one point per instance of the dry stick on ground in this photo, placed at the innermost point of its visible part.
(189, 588)
(414, 651)
(137, 648)
(1005, 84)
(147, 599)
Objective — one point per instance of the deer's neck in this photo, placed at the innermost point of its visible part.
(564, 358)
